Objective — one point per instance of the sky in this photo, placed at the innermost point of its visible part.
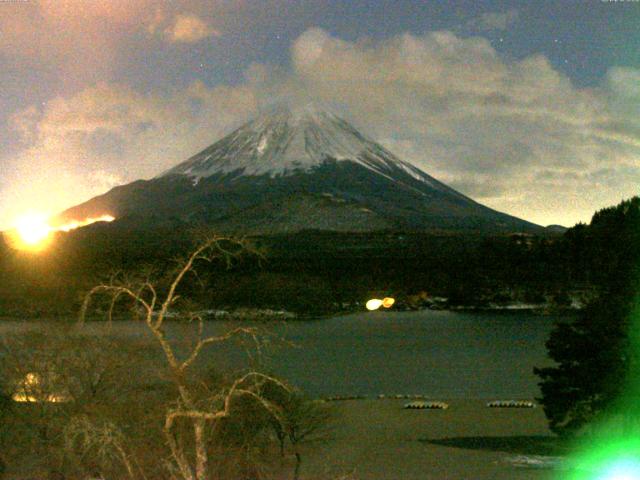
(531, 108)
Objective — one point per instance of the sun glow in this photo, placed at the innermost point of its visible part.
(82, 223)
(32, 228)
(33, 232)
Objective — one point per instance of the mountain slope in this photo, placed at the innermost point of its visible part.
(293, 170)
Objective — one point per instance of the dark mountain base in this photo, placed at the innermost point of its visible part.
(334, 196)
(310, 272)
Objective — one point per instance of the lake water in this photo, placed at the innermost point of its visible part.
(434, 353)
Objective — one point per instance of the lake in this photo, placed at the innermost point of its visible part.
(434, 353)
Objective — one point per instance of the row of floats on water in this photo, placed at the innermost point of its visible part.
(419, 402)
(420, 405)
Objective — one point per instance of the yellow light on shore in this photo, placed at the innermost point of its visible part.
(388, 302)
(373, 304)
(30, 391)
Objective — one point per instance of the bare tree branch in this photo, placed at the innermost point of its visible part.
(202, 342)
(189, 406)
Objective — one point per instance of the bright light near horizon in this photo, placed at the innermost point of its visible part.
(373, 304)
(32, 231)
(83, 223)
(625, 469)
(376, 303)
(606, 457)
(30, 391)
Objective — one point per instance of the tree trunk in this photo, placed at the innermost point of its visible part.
(199, 425)
(281, 439)
(296, 472)
(178, 454)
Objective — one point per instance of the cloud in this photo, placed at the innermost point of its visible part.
(25, 123)
(71, 43)
(485, 125)
(515, 135)
(188, 28)
(155, 22)
(110, 134)
(493, 20)
(40, 28)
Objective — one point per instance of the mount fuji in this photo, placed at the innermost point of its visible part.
(292, 170)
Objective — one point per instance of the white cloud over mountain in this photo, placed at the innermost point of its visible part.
(515, 135)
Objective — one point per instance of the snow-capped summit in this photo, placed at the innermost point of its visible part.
(285, 141)
(295, 169)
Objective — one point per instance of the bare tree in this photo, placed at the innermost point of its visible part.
(190, 456)
(5, 411)
(53, 374)
(105, 442)
(305, 421)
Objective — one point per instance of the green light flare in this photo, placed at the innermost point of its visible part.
(612, 450)
(610, 460)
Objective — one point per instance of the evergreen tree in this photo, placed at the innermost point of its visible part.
(594, 356)
(5, 413)
(597, 353)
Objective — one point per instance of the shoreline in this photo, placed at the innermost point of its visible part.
(269, 315)
(379, 439)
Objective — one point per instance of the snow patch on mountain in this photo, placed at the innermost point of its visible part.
(284, 141)
(262, 145)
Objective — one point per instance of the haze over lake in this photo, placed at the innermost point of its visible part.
(434, 353)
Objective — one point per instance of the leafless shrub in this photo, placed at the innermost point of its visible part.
(119, 414)
(104, 443)
(189, 419)
(53, 374)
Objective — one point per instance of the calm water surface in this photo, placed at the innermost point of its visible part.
(440, 354)
(435, 353)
